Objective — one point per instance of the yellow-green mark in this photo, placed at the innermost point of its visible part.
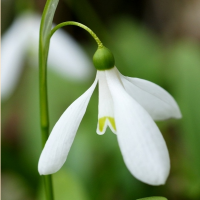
(103, 120)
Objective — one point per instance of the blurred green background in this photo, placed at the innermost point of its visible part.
(154, 40)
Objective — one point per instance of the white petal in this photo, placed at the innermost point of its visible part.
(105, 115)
(61, 138)
(13, 51)
(142, 145)
(154, 99)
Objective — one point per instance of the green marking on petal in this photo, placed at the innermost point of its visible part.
(102, 121)
(112, 122)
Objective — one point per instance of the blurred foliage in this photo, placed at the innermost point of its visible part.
(153, 198)
(95, 168)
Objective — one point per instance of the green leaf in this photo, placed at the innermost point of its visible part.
(47, 18)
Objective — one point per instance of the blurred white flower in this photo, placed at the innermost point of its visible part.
(21, 42)
(128, 106)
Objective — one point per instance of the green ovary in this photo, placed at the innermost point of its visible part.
(103, 120)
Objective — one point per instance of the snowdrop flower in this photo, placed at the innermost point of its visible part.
(128, 106)
(65, 56)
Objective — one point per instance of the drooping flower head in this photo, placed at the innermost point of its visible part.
(129, 107)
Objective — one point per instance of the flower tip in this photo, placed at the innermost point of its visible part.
(161, 180)
(99, 132)
(40, 173)
(44, 171)
(158, 182)
(179, 116)
(155, 177)
(177, 112)
(40, 170)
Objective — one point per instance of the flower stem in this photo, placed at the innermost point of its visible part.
(48, 187)
(45, 29)
(99, 43)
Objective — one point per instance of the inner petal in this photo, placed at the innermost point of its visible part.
(105, 108)
(103, 123)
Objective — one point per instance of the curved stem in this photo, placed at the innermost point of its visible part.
(99, 43)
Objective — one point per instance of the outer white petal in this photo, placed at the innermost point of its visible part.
(13, 50)
(142, 145)
(105, 115)
(61, 138)
(154, 99)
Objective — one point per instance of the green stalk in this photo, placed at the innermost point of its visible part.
(99, 43)
(45, 29)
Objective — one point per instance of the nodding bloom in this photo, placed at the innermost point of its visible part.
(129, 107)
(20, 44)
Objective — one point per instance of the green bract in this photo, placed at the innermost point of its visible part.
(103, 59)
